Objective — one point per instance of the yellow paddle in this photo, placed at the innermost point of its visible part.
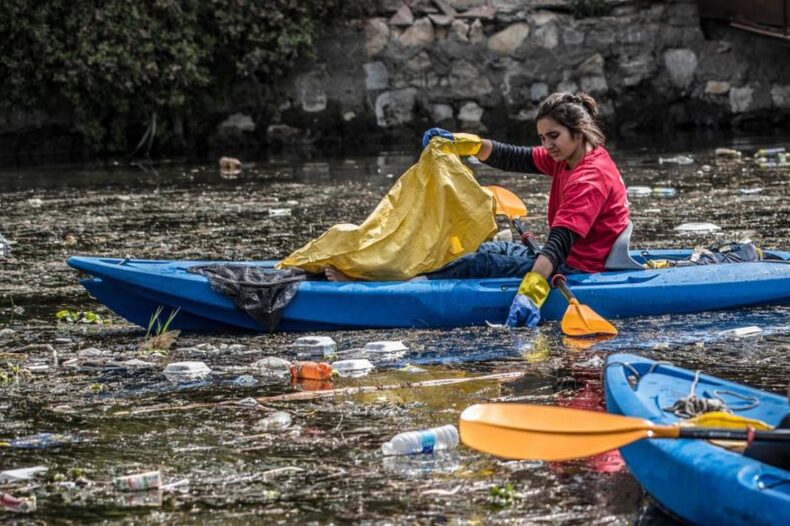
(536, 432)
(579, 319)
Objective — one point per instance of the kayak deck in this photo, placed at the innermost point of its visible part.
(135, 289)
(694, 479)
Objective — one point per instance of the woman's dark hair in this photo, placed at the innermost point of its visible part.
(575, 112)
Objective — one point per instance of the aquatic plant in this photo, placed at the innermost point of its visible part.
(85, 317)
(162, 338)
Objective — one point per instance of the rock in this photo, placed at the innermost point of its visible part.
(441, 112)
(717, 87)
(310, 88)
(403, 17)
(571, 37)
(546, 36)
(376, 76)
(394, 108)
(466, 81)
(377, 35)
(417, 73)
(238, 122)
(542, 18)
(594, 85)
(509, 39)
(483, 11)
(476, 33)
(441, 20)
(419, 34)
(780, 95)
(592, 65)
(568, 85)
(445, 8)
(741, 99)
(681, 65)
(635, 70)
(470, 114)
(283, 134)
(538, 91)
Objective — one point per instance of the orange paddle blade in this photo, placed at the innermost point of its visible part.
(581, 320)
(507, 203)
(532, 432)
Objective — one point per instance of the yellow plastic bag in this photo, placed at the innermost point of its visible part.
(435, 213)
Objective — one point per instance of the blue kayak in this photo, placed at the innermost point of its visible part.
(700, 482)
(136, 288)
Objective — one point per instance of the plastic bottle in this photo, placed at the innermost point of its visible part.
(768, 152)
(311, 371)
(427, 441)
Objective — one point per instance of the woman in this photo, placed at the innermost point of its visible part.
(588, 208)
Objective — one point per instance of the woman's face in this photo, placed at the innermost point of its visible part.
(557, 139)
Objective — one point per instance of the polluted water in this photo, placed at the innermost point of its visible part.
(327, 465)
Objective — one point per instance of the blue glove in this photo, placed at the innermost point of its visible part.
(435, 132)
(525, 309)
(523, 312)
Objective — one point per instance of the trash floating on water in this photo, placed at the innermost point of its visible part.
(727, 152)
(272, 366)
(16, 475)
(749, 191)
(311, 371)
(639, 191)
(664, 191)
(697, 228)
(5, 246)
(769, 152)
(742, 332)
(139, 481)
(186, 371)
(427, 441)
(229, 166)
(353, 368)
(17, 505)
(245, 380)
(385, 350)
(678, 159)
(279, 212)
(41, 441)
(275, 421)
(314, 347)
(408, 368)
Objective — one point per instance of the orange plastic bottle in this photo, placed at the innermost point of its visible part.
(311, 371)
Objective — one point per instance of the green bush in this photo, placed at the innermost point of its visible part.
(117, 63)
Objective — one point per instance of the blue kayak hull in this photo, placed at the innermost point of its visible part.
(134, 289)
(694, 479)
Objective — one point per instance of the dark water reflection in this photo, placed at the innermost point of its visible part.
(327, 466)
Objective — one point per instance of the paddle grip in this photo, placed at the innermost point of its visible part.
(558, 281)
(777, 435)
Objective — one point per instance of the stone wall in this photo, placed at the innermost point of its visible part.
(482, 66)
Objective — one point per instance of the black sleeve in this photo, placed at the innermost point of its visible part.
(511, 158)
(558, 245)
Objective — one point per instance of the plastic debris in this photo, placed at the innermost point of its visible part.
(742, 332)
(639, 191)
(664, 191)
(769, 152)
(314, 347)
(697, 228)
(186, 371)
(385, 350)
(139, 481)
(245, 380)
(279, 212)
(16, 475)
(353, 368)
(13, 504)
(727, 152)
(311, 371)
(749, 191)
(275, 421)
(41, 441)
(678, 159)
(5, 246)
(504, 235)
(272, 365)
(248, 402)
(229, 166)
(427, 441)
(408, 368)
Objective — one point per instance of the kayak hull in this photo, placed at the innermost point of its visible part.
(134, 289)
(694, 479)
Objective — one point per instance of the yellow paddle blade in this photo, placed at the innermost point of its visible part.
(507, 203)
(530, 432)
(581, 320)
(721, 419)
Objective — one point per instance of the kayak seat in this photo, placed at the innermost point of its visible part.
(619, 258)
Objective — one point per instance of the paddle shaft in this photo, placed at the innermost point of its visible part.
(777, 435)
(528, 239)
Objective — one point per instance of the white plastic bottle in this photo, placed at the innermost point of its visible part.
(427, 441)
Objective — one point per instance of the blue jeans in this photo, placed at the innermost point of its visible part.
(494, 259)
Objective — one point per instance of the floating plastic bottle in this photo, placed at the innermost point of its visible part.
(742, 332)
(314, 347)
(664, 191)
(769, 152)
(678, 159)
(17, 475)
(311, 371)
(353, 368)
(275, 421)
(639, 191)
(697, 228)
(427, 441)
(139, 481)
